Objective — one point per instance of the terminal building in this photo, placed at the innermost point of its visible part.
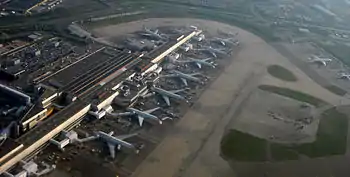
(88, 86)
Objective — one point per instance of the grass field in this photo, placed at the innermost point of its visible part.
(331, 136)
(331, 140)
(281, 73)
(281, 153)
(243, 147)
(336, 90)
(293, 94)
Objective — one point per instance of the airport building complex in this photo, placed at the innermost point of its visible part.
(85, 85)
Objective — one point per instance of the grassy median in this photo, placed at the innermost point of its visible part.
(300, 96)
(281, 73)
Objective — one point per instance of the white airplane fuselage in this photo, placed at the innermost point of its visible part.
(167, 93)
(187, 76)
(143, 114)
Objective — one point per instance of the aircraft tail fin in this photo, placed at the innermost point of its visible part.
(141, 119)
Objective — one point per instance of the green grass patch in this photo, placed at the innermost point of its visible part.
(293, 94)
(243, 147)
(331, 140)
(281, 153)
(281, 73)
(331, 136)
(336, 90)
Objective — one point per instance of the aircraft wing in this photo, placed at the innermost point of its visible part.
(145, 34)
(123, 114)
(184, 81)
(206, 59)
(111, 148)
(147, 95)
(213, 53)
(199, 49)
(222, 43)
(169, 75)
(195, 74)
(177, 91)
(166, 99)
(151, 110)
(123, 137)
(199, 65)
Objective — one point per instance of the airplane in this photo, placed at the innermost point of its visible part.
(153, 34)
(117, 141)
(141, 115)
(199, 62)
(184, 29)
(212, 51)
(199, 37)
(184, 77)
(166, 95)
(316, 59)
(225, 41)
(173, 56)
(186, 47)
(344, 76)
(137, 45)
(5, 133)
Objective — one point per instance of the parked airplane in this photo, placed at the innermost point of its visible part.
(316, 59)
(344, 76)
(141, 115)
(173, 56)
(199, 62)
(199, 37)
(166, 95)
(212, 51)
(117, 141)
(186, 47)
(183, 30)
(225, 41)
(184, 77)
(155, 35)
